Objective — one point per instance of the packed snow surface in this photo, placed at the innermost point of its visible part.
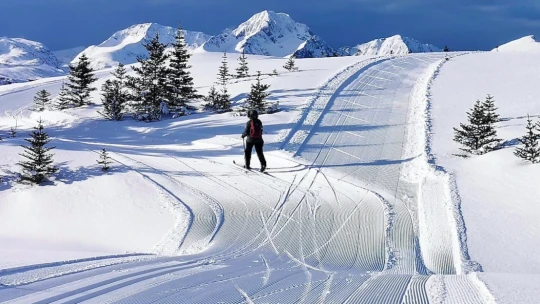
(499, 193)
(351, 211)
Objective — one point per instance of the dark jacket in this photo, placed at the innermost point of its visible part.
(248, 128)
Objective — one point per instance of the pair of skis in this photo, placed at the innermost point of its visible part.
(257, 171)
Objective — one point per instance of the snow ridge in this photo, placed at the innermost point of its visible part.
(126, 45)
(271, 34)
(525, 44)
(23, 60)
(395, 45)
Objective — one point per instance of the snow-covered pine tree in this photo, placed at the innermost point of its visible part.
(243, 69)
(12, 132)
(290, 65)
(180, 82)
(212, 99)
(491, 118)
(490, 110)
(104, 160)
(41, 100)
(150, 85)
(39, 162)
(81, 77)
(530, 150)
(257, 97)
(275, 73)
(224, 99)
(114, 95)
(476, 137)
(63, 101)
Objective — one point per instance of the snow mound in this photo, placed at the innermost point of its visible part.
(126, 45)
(271, 34)
(525, 44)
(23, 60)
(395, 45)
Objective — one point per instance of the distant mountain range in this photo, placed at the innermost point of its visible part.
(24, 60)
(266, 33)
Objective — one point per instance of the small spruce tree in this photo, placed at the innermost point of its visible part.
(446, 49)
(39, 161)
(212, 99)
(115, 96)
(243, 69)
(180, 81)
(104, 160)
(41, 100)
(490, 110)
(150, 85)
(275, 73)
(81, 76)
(224, 99)
(63, 100)
(476, 137)
(531, 149)
(12, 132)
(290, 65)
(257, 97)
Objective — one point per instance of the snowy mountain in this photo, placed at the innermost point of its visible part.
(124, 46)
(23, 60)
(270, 34)
(525, 44)
(66, 56)
(397, 45)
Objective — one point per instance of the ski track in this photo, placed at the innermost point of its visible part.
(309, 240)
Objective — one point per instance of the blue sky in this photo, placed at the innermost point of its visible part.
(460, 24)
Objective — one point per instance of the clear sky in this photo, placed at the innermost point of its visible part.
(460, 24)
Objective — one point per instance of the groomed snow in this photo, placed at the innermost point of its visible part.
(499, 195)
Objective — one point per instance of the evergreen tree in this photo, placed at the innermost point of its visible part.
(242, 70)
(104, 160)
(212, 99)
(41, 100)
(224, 99)
(275, 73)
(150, 85)
(81, 76)
(115, 96)
(180, 82)
(290, 65)
(257, 96)
(531, 149)
(490, 110)
(39, 162)
(446, 49)
(476, 137)
(12, 132)
(63, 101)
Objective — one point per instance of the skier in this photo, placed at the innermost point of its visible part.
(253, 132)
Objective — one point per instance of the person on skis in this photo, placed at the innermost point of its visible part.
(253, 132)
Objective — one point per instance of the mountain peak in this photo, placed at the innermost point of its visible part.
(393, 45)
(271, 34)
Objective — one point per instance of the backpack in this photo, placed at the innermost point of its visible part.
(255, 130)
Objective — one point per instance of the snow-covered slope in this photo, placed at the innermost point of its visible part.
(125, 45)
(271, 34)
(396, 45)
(525, 44)
(23, 60)
(66, 56)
